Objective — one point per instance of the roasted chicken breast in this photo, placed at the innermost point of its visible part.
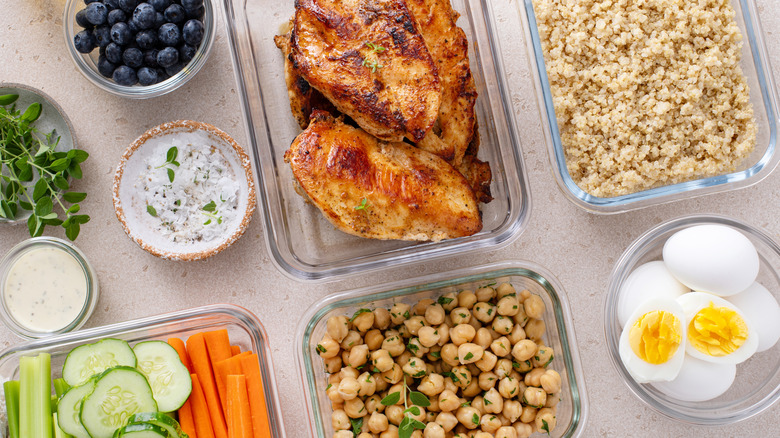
(368, 58)
(378, 189)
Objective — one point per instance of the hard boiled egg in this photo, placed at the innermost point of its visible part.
(651, 280)
(717, 331)
(761, 308)
(712, 258)
(699, 380)
(651, 345)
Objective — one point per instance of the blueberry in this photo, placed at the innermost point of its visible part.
(120, 33)
(111, 4)
(133, 25)
(175, 13)
(167, 57)
(150, 58)
(81, 19)
(159, 20)
(96, 13)
(169, 34)
(146, 39)
(114, 53)
(191, 4)
(116, 16)
(133, 57)
(186, 53)
(160, 5)
(124, 75)
(84, 41)
(144, 15)
(105, 67)
(196, 13)
(175, 68)
(89, 1)
(147, 76)
(101, 50)
(161, 74)
(102, 35)
(192, 32)
(128, 5)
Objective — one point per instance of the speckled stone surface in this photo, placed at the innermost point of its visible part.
(577, 247)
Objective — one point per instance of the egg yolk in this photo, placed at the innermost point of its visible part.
(655, 336)
(717, 331)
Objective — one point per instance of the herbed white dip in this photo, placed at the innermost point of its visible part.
(189, 191)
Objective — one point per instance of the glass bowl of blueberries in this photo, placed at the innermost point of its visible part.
(139, 48)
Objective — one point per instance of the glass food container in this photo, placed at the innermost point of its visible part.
(756, 68)
(302, 242)
(757, 384)
(243, 327)
(573, 407)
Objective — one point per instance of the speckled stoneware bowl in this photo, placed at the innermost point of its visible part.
(131, 208)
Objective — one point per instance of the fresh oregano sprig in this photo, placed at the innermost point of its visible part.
(409, 424)
(170, 160)
(27, 154)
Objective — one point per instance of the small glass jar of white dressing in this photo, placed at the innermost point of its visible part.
(47, 287)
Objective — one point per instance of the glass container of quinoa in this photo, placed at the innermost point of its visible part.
(440, 290)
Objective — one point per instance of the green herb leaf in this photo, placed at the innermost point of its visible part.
(357, 425)
(475, 419)
(391, 399)
(32, 113)
(61, 182)
(60, 164)
(419, 399)
(321, 349)
(211, 206)
(359, 312)
(40, 190)
(151, 210)
(444, 300)
(73, 197)
(171, 174)
(44, 207)
(72, 231)
(171, 155)
(468, 356)
(545, 427)
(414, 410)
(362, 205)
(8, 99)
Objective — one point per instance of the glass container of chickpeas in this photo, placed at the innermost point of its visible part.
(485, 352)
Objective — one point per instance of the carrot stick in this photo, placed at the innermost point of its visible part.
(178, 345)
(218, 345)
(200, 411)
(254, 384)
(199, 356)
(224, 368)
(240, 419)
(235, 349)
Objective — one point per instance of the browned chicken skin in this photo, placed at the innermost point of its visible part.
(368, 58)
(377, 189)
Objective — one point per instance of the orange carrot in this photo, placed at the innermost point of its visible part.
(235, 349)
(226, 367)
(254, 384)
(199, 356)
(186, 421)
(238, 413)
(200, 411)
(218, 345)
(178, 345)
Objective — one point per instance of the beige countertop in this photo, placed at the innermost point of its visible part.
(579, 248)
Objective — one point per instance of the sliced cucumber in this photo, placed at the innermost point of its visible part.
(69, 406)
(142, 430)
(91, 359)
(119, 393)
(169, 378)
(159, 419)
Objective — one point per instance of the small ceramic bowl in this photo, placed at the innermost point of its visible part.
(171, 204)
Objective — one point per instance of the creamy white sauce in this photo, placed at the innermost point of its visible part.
(45, 289)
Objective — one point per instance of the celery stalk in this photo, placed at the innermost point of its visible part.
(26, 396)
(58, 433)
(43, 396)
(60, 386)
(11, 389)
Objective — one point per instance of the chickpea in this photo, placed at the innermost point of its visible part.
(490, 423)
(358, 355)
(391, 432)
(394, 414)
(418, 349)
(468, 417)
(545, 420)
(535, 397)
(348, 371)
(348, 388)
(433, 408)
(472, 389)
(355, 408)
(517, 334)
(414, 323)
(447, 420)
(444, 334)
(520, 318)
(524, 366)
(393, 375)
(333, 394)
(338, 327)
(502, 325)
(551, 381)
(509, 387)
(487, 362)
(523, 430)
(469, 353)
(381, 318)
(485, 294)
(528, 414)
(484, 312)
(343, 434)
(543, 356)
(512, 410)
(524, 350)
(506, 432)
(434, 354)
(431, 385)
(373, 339)
(449, 301)
(462, 333)
(394, 345)
(366, 435)
(508, 306)
(363, 322)
(466, 299)
(483, 338)
(501, 347)
(332, 365)
(381, 383)
(367, 384)
(463, 374)
(344, 357)
(382, 360)
(433, 430)
(353, 338)
(503, 368)
(494, 402)
(419, 308)
(482, 434)
(428, 336)
(534, 377)
(460, 315)
(434, 315)
(553, 400)
(416, 368)
(534, 307)
(535, 329)
(334, 379)
(449, 354)
(505, 289)
(403, 331)
(328, 348)
(374, 403)
(487, 380)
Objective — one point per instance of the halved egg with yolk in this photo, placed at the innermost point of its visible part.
(717, 330)
(652, 343)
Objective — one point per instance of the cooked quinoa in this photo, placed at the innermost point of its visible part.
(646, 92)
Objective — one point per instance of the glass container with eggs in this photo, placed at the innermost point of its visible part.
(692, 319)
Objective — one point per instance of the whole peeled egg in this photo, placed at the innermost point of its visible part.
(712, 258)
(699, 380)
(652, 343)
(717, 331)
(650, 280)
(762, 309)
